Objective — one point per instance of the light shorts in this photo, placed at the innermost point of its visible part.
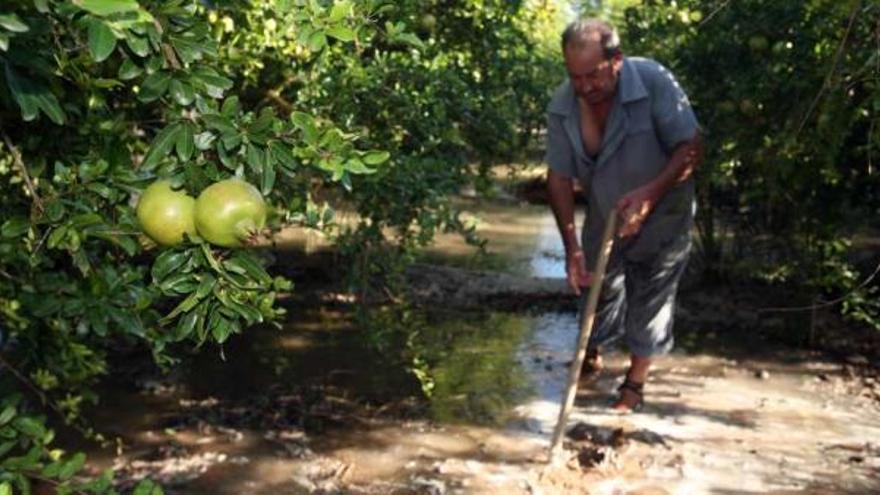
(637, 302)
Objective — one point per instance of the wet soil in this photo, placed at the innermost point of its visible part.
(752, 401)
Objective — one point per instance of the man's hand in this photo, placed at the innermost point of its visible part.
(633, 208)
(576, 269)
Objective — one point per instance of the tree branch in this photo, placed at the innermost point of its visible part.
(4, 363)
(823, 304)
(827, 83)
(167, 49)
(29, 182)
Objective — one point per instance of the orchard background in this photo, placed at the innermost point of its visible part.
(387, 110)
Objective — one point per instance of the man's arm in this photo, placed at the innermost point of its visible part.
(635, 206)
(560, 190)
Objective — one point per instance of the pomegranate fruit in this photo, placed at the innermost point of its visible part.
(230, 213)
(165, 214)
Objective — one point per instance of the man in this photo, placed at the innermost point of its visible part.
(624, 128)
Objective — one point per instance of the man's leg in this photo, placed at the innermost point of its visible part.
(650, 289)
(608, 325)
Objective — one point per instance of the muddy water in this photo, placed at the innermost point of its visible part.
(712, 424)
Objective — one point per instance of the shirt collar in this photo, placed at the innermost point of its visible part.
(630, 84)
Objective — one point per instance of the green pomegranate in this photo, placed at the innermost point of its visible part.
(165, 214)
(229, 213)
(429, 22)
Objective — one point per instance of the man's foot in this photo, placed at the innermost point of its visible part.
(631, 397)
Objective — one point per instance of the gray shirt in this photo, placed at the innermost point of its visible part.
(650, 116)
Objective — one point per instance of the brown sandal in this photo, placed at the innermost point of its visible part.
(632, 388)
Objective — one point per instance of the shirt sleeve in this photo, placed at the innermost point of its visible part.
(559, 155)
(671, 110)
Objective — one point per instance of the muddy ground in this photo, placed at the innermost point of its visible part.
(754, 400)
(737, 409)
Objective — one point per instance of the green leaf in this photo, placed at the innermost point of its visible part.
(282, 154)
(185, 144)
(102, 42)
(256, 158)
(376, 157)
(72, 466)
(204, 140)
(24, 91)
(13, 228)
(50, 106)
(356, 166)
(206, 285)
(263, 124)
(154, 86)
(230, 107)
(161, 145)
(214, 83)
(54, 210)
(204, 288)
(209, 257)
(147, 487)
(219, 123)
(86, 219)
(244, 263)
(341, 33)
(106, 83)
(108, 7)
(227, 161)
(42, 6)
(219, 327)
(125, 242)
(182, 92)
(81, 261)
(306, 123)
(30, 427)
(7, 415)
(129, 70)
(317, 41)
(409, 39)
(179, 283)
(29, 461)
(53, 469)
(13, 23)
(57, 236)
(185, 306)
(167, 262)
(268, 179)
(188, 50)
(4, 41)
(250, 314)
(5, 488)
(186, 325)
(139, 45)
(5, 447)
(339, 11)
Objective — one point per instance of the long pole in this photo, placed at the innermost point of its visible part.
(586, 329)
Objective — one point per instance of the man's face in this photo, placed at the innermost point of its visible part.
(593, 77)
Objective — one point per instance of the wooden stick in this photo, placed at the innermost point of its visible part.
(586, 329)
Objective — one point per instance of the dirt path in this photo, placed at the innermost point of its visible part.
(776, 423)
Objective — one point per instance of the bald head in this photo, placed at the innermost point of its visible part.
(591, 34)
